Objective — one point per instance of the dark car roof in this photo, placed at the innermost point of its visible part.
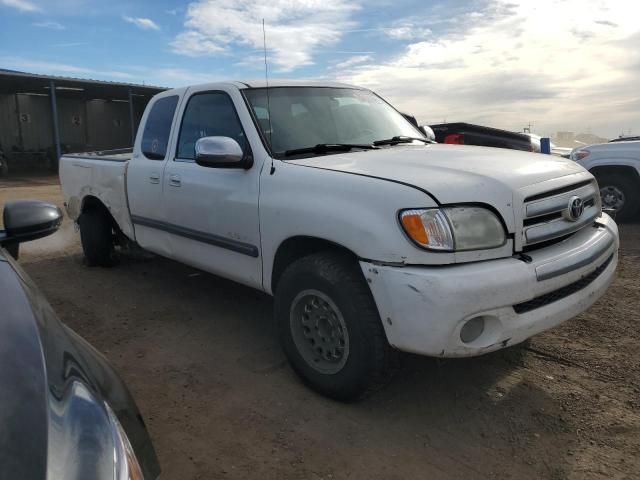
(483, 136)
(462, 127)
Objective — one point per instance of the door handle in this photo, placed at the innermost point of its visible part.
(174, 180)
(154, 178)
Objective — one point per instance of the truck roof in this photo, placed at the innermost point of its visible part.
(273, 83)
(295, 83)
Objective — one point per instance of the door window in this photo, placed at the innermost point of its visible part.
(158, 127)
(210, 114)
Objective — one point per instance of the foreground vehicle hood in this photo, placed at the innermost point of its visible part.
(54, 392)
(454, 174)
(23, 393)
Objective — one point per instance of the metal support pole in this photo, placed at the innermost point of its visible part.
(131, 119)
(54, 115)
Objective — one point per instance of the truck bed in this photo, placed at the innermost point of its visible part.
(119, 155)
(101, 174)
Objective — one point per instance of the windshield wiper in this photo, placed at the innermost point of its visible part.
(401, 139)
(329, 147)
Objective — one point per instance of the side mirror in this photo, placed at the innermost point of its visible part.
(26, 220)
(428, 132)
(220, 152)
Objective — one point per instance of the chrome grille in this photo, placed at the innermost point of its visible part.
(548, 216)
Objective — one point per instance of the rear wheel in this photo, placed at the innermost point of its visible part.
(330, 329)
(620, 194)
(97, 237)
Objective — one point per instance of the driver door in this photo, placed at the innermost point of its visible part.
(213, 211)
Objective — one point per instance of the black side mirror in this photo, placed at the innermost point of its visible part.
(26, 220)
(221, 152)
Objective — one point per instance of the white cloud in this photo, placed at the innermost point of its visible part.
(562, 65)
(69, 44)
(253, 61)
(408, 31)
(179, 77)
(45, 67)
(352, 61)
(50, 24)
(294, 29)
(143, 23)
(22, 5)
(168, 75)
(195, 44)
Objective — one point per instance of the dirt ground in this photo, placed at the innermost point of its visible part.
(198, 353)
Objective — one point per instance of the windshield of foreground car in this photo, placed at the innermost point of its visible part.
(303, 117)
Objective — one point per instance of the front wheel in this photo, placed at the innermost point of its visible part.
(330, 329)
(620, 194)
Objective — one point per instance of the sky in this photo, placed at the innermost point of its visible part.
(571, 65)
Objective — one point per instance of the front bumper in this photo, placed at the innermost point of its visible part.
(423, 308)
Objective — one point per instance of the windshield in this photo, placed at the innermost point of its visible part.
(303, 117)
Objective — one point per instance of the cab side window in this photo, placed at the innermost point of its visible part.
(210, 114)
(158, 127)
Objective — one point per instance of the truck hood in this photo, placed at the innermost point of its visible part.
(454, 173)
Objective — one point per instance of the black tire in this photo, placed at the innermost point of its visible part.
(4, 168)
(370, 362)
(96, 235)
(630, 189)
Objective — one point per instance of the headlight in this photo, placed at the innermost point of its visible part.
(126, 464)
(86, 440)
(579, 154)
(453, 228)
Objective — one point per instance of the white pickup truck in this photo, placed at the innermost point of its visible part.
(616, 166)
(371, 238)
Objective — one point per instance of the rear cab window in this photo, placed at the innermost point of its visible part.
(157, 128)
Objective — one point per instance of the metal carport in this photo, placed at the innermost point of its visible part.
(45, 116)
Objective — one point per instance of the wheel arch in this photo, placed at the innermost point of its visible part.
(297, 247)
(629, 181)
(600, 170)
(92, 203)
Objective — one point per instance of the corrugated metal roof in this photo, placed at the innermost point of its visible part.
(75, 79)
(22, 82)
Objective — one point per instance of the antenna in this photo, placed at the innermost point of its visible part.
(266, 79)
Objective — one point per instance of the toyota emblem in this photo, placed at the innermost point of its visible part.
(575, 208)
